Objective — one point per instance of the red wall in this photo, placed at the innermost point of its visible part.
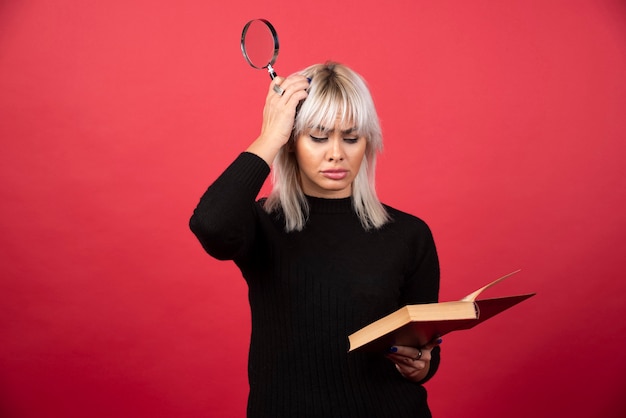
(504, 127)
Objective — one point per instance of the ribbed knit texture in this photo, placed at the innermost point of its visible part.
(309, 290)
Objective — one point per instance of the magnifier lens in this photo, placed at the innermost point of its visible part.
(259, 44)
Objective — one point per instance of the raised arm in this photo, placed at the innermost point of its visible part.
(225, 219)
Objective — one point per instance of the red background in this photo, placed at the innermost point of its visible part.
(504, 127)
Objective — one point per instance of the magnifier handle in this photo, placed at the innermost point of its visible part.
(271, 71)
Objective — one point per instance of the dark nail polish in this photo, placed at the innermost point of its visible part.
(309, 79)
(393, 349)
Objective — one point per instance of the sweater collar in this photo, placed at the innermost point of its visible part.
(322, 205)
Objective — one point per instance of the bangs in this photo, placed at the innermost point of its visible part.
(326, 111)
(329, 104)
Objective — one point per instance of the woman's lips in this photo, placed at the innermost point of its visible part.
(335, 174)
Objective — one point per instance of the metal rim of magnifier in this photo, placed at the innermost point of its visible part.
(274, 36)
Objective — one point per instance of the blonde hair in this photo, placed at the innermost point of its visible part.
(335, 90)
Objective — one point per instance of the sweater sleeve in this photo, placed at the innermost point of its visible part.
(225, 219)
(422, 276)
(422, 284)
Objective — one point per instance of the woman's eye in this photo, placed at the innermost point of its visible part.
(351, 140)
(318, 139)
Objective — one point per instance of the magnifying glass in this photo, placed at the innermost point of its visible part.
(259, 45)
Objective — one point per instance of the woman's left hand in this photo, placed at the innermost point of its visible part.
(412, 363)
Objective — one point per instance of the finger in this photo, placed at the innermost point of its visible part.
(278, 89)
(275, 88)
(409, 372)
(411, 361)
(411, 352)
(433, 343)
(277, 81)
(292, 85)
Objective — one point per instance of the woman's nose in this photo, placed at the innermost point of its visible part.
(335, 153)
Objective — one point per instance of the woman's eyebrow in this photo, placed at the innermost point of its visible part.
(343, 131)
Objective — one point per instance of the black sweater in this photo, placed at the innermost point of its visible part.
(309, 290)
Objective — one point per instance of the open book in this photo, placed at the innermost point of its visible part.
(417, 325)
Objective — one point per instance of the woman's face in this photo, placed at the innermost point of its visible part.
(329, 159)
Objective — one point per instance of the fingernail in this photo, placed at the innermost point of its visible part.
(439, 341)
(393, 349)
(309, 79)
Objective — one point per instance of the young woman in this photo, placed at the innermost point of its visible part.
(322, 256)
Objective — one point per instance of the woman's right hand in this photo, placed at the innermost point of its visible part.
(279, 115)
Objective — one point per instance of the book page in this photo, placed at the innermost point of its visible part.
(472, 296)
